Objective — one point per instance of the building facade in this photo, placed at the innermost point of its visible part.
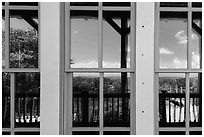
(102, 68)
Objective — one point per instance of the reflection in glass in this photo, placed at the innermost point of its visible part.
(83, 3)
(116, 47)
(172, 89)
(116, 99)
(85, 133)
(3, 38)
(85, 104)
(117, 4)
(196, 39)
(23, 39)
(27, 100)
(6, 133)
(116, 132)
(197, 4)
(84, 39)
(195, 99)
(173, 4)
(173, 40)
(27, 133)
(6, 100)
(171, 132)
(24, 3)
(195, 132)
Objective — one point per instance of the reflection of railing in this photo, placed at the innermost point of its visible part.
(86, 109)
(27, 110)
(172, 109)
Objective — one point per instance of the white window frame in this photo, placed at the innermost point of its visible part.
(12, 71)
(189, 9)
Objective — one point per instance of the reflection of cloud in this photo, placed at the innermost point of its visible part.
(182, 37)
(94, 64)
(195, 60)
(177, 63)
(85, 64)
(76, 31)
(165, 51)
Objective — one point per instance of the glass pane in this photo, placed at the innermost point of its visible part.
(27, 100)
(23, 39)
(197, 4)
(116, 45)
(116, 132)
(5, 133)
(27, 133)
(173, 4)
(116, 99)
(3, 3)
(195, 99)
(24, 3)
(85, 104)
(83, 3)
(171, 132)
(3, 38)
(195, 133)
(117, 4)
(85, 133)
(196, 39)
(84, 39)
(173, 40)
(172, 89)
(6, 100)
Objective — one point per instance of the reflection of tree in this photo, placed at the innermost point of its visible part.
(89, 84)
(28, 83)
(23, 48)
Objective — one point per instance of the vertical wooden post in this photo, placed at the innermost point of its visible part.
(124, 44)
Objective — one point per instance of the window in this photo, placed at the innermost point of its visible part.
(99, 68)
(20, 69)
(179, 67)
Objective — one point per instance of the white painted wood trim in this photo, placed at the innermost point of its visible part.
(50, 67)
(145, 68)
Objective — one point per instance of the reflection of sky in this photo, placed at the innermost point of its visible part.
(84, 41)
(19, 23)
(173, 45)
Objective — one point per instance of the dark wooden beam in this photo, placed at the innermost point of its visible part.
(197, 28)
(31, 22)
(113, 24)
